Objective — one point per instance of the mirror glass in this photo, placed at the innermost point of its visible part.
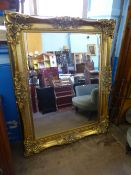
(63, 74)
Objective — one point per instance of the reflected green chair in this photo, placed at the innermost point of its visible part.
(87, 97)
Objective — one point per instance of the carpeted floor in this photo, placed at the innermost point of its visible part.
(93, 155)
(55, 122)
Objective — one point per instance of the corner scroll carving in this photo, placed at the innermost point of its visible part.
(15, 24)
(106, 26)
(32, 146)
(103, 126)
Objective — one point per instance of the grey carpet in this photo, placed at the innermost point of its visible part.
(93, 155)
(55, 122)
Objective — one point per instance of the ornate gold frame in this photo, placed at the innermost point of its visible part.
(16, 25)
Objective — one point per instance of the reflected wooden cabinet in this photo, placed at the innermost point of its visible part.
(79, 61)
(80, 68)
(63, 93)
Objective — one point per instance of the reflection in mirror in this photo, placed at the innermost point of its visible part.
(63, 80)
(57, 91)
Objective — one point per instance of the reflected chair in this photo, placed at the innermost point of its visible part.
(86, 97)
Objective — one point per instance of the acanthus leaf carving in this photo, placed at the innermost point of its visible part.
(20, 89)
(106, 26)
(106, 78)
(15, 24)
(65, 22)
(103, 125)
(33, 146)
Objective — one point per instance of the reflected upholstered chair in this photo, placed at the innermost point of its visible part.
(86, 97)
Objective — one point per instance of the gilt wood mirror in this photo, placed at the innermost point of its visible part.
(62, 77)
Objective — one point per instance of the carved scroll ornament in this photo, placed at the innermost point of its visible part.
(65, 22)
(106, 78)
(20, 89)
(36, 146)
(106, 26)
(15, 24)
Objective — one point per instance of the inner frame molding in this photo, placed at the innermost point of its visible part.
(18, 24)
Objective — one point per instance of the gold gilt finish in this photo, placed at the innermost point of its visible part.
(17, 25)
(107, 27)
(20, 89)
(106, 78)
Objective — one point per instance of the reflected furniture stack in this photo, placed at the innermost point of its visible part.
(49, 74)
(46, 67)
(63, 93)
(94, 76)
(62, 58)
(79, 60)
(80, 68)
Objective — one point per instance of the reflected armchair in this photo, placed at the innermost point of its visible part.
(86, 97)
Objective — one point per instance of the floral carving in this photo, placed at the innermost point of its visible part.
(33, 146)
(106, 26)
(20, 89)
(103, 126)
(15, 24)
(106, 78)
(65, 22)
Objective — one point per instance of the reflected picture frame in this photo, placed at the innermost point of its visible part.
(91, 49)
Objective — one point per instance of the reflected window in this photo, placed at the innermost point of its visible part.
(71, 8)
